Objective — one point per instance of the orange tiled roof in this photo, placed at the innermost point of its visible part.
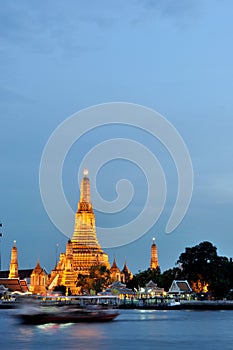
(14, 284)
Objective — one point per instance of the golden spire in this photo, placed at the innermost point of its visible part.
(69, 251)
(14, 262)
(86, 249)
(84, 228)
(85, 196)
(154, 255)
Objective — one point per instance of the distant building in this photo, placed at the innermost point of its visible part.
(117, 275)
(154, 263)
(152, 290)
(126, 274)
(24, 274)
(14, 285)
(15, 280)
(120, 289)
(38, 280)
(14, 262)
(115, 272)
(180, 288)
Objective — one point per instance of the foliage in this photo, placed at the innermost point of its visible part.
(206, 271)
(98, 279)
(84, 282)
(163, 280)
(201, 266)
(142, 278)
(62, 290)
(167, 277)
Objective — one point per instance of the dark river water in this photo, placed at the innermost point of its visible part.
(133, 329)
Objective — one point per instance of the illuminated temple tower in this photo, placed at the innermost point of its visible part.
(69, 277)
(86, 249)
(14, 262)
(154, 256)
(83, 250)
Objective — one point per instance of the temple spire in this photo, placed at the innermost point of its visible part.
(154, 255)
(14, 262)
(114, 264)
(84, 228)
(85, 196)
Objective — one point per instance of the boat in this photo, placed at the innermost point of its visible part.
(8, 303)
(65, 314)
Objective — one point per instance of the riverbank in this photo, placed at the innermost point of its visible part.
(184, 305)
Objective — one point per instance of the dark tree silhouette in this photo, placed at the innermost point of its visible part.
(206, 271)
(98, 279)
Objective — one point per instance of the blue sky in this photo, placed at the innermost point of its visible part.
(59, 57)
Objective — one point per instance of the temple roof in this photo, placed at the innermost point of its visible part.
(38, 269)
(151, 284)
(114, 266)
(14, 284)
(114, 263)
(26, 273)
(180, 286)
(125, 268)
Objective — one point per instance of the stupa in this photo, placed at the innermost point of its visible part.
(83, 251)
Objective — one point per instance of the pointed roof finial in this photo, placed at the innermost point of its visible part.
(14, 243)
(153, 240)
(38, 263)
(85, 172)
(114, 264)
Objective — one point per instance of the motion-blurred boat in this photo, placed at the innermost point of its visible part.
(65, 314)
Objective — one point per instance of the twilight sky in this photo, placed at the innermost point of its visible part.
(58, 57)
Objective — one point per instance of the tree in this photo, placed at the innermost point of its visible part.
(100, 277)
(143, 277)
(62, 290)
(97, 280)
(197, 265)
(168, 276)
(84, 282)
(206, 271)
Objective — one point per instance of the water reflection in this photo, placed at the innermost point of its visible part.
(86, 332)
(25, 333)
(133, 329)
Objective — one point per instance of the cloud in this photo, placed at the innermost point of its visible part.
(8, 95)
(47, 27)
(179, 12)
(171, 7)
(218, 189)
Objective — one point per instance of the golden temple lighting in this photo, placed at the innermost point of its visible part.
(83, 250)
(154, 263)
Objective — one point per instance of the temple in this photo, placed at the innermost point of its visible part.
(83, 250)
(17, 279)
(154, 263)
(38, 280)
(14, 262)
(118, 275)
(86, 249)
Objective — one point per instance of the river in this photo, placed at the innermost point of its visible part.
(133, 329)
